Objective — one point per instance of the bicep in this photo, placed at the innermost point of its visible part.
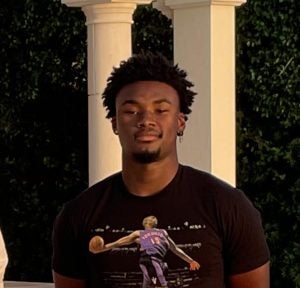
(129, 239)
(61, 281)
(256, 278)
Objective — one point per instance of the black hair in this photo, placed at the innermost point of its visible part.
(148, 66)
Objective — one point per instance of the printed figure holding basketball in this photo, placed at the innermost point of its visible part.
(154, 244)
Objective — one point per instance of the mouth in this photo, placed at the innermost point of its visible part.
(147, 136)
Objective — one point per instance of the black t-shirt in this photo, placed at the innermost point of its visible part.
(212, 222)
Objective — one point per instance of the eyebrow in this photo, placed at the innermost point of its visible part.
(159, 101)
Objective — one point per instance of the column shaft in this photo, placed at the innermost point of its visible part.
(204, 45)
(109, 42)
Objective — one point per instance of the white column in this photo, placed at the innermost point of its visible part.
(109, 41)
(204, 45)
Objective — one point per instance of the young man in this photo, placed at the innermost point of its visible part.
(148, 100)
(154, 244)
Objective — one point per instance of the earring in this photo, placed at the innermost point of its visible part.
(180, 135)
(116, 131)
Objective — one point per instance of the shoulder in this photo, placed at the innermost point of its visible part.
(97, 190)
(235, 218)
(84, 203)
(205, 182)
(202, 178)
(221, 194)
(136, 233)
(164, 232)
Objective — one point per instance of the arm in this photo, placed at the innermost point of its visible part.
(246, 252)
(68, 264)
(194, 265)
(257, 278)
(127, 240)
(61, 281)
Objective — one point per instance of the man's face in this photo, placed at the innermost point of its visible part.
(147, 119)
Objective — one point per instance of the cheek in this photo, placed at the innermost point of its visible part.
(125, 133)
(123, 118)
(122, 124)
(170, 130)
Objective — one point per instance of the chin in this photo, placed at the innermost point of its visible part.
(146, 157)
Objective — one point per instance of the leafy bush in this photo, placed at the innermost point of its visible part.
(268, 126)
(43, 129)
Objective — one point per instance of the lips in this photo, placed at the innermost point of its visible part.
(147, 136)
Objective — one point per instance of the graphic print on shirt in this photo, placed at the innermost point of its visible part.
(150, 252)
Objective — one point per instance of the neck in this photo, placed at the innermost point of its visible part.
(148, 179)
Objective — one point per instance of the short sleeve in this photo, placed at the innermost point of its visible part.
(245, 245)
(67, 258)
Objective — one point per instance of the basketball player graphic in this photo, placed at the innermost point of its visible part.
(154, 244)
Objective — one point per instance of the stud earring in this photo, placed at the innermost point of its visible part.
(116, 131)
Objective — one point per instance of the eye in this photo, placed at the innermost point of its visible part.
(131, 112)
(161, 111)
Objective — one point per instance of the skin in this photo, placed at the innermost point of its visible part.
(147, 119)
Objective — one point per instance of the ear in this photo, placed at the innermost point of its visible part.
(114, 125)
(181, 122)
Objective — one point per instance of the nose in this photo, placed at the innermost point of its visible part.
(146, 118)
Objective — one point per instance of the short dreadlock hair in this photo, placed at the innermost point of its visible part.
(147, 66)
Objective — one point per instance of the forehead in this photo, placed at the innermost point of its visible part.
(147, 92)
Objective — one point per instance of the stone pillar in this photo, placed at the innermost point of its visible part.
(109, 41)
(204, 45)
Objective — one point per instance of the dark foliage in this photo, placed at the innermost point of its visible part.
(268, 126)
(43, 130)
(152, 31)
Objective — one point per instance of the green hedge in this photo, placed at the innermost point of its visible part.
(43, 127)
(268, 126)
